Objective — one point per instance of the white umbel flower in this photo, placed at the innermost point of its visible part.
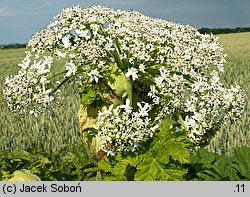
(94, 75)
(66, 42)
(71, 69)
(133, 73)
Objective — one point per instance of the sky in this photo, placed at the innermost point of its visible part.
(20, 19)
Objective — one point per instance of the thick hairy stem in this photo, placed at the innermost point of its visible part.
(87, 118)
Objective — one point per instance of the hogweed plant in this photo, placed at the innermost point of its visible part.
(139, 78)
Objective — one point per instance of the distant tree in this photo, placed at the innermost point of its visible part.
(13, 46)
(224, 30)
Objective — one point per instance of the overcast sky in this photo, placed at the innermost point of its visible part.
(20, 19)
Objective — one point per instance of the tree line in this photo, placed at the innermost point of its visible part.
(224, 30)
(12, 46)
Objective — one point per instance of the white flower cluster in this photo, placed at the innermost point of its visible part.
(95, 36)
(124, 128)
(204, 103)
(173, 68)
(29, 86)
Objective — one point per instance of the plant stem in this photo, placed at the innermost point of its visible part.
(130, 90)
(56, 74)
(182, 122)
(63, 82)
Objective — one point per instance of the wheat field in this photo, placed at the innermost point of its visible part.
(237, 47)
(52, 130)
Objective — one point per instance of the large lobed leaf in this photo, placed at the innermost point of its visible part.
(150, 169)
(212, 167)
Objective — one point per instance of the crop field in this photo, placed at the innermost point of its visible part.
(59, 127)
(51, 131)
(237, 47)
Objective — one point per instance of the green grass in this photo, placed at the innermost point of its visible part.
(57, 128)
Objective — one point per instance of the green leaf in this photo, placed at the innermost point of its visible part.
(173, 149)
(167, 132)
(204, 157)
(172, 174)
(132, 158)
(17, 155)
(223, 166)
(209, 175)
(147, 169)
(130, 172)
(210, 166)
(24, 175)
(89, 96)
(105, 165)
(150, 169)
(242, 157)
(170, 144)
(165, 128)
(119, 83)
(111, 177)
(120, 168)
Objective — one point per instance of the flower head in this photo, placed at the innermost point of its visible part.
(94, 75)
(125, 128)
(175, 70)
(71, 69)
(133, 73)
(66, 42)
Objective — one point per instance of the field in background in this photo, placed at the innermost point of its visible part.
(57, 128)
(237, 46)
(52, 130)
